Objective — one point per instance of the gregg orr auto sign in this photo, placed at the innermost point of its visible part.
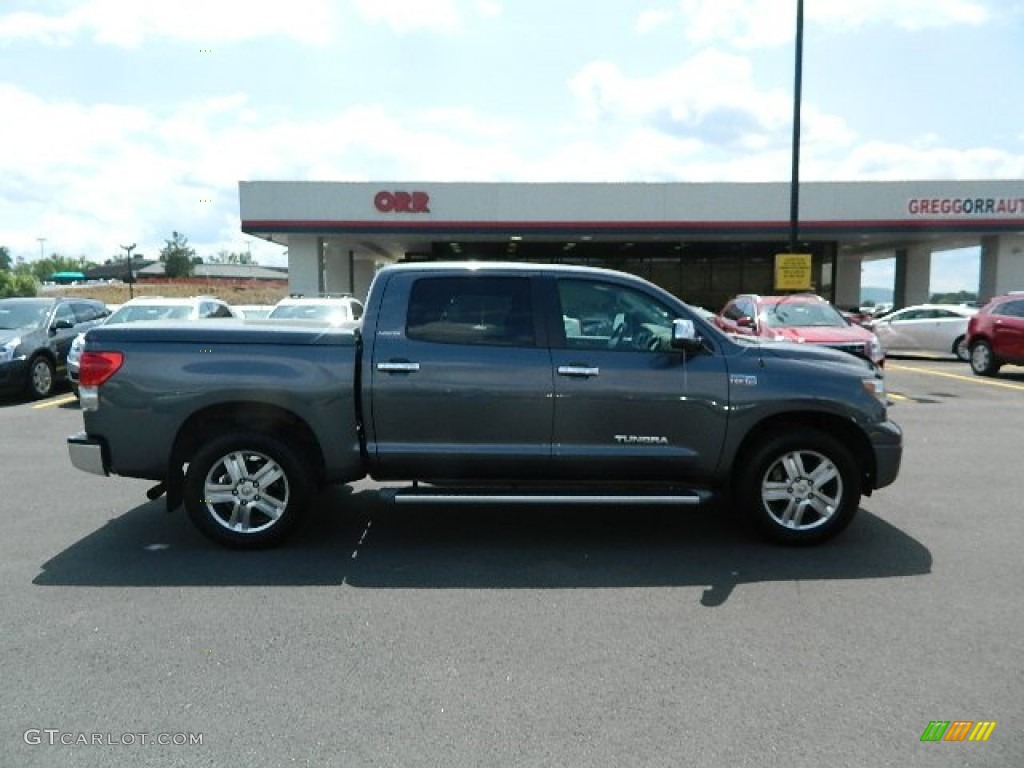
(965, 206)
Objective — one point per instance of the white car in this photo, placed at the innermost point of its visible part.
(331, 310)
(154, 308)
(940, 328)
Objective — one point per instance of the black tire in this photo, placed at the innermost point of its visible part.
(247, 490)
(41, 378)
(963, 354)
(801, 487)
(983, 360)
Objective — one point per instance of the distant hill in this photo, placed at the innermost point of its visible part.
(874, 295)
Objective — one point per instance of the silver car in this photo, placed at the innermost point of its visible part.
(153, 308)
(940, 328)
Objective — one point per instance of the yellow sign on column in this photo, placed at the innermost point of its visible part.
(793, 272)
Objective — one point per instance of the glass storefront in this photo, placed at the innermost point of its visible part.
(706, 274)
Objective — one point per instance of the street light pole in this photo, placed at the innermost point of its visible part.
(131, 275)
(794, 193)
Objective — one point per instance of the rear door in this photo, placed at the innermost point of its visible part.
(628, 407)
(461, 383)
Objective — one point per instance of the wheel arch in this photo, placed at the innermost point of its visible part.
(844, 430)
(215, 420)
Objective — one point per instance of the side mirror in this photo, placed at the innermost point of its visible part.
(684, 336)
(63, 325)
(745, 322)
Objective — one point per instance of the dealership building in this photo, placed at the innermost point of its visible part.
(703, 242)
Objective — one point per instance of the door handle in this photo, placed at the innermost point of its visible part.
(398, 367)
(585, 371)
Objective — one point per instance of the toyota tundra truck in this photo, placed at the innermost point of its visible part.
(475, 383)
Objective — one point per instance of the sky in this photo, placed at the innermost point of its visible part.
(122, 121)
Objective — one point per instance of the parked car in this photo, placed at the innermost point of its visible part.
(995, 335)
(153, 308)
(35, 336)
(926, 328)
(803, 318)
(334, 310)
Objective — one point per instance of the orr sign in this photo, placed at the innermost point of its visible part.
(401, 202)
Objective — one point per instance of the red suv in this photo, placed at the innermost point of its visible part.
(802, 317)
(995, 335)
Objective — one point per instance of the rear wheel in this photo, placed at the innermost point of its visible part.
(40, 377)
(983, 361)
(960, 349)
(801, 487)
(246, 490)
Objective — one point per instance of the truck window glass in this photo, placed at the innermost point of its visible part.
(494, 311)
(597, 315)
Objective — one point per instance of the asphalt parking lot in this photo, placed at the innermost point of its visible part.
(504, 637)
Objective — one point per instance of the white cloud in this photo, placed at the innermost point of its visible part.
(406, 15)
(130, 23)
(749, 24)
(711, 97)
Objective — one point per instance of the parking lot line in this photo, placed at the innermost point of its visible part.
(56, 401)
(975, 379)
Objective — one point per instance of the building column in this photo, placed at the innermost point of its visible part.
(1001, 265)
(847, 279)
(913, 276)
(304, 264)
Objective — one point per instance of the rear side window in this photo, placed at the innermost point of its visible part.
(495, 311)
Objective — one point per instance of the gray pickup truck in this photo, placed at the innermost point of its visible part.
(478, 383)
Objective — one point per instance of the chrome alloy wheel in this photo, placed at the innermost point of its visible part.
(41, 377)
(246, 492)
(802, 490)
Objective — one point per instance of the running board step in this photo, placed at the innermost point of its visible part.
(422, 495)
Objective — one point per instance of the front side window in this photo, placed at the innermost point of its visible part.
(1010, 309)
(495, 311)
(597, 315)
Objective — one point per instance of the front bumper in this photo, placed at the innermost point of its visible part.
(887, 442)
(13, 375)
(88, 454)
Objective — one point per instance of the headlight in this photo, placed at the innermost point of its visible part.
(7, 350)
(876, 388)
(875, 351)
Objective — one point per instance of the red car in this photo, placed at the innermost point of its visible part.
(804, 318)
(995, 335)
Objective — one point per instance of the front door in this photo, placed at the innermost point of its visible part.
(628, 407)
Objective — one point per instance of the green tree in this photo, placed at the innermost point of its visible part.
(177, 256)
(5, 259)
(12, 284)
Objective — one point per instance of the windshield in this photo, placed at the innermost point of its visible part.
(802, 314)
(22, 314)
(138, 312)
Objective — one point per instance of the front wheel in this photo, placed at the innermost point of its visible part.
(41, 378)
(247, 490)
(983, 361)
(802, 487)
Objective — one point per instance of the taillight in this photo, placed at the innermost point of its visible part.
(96, 367)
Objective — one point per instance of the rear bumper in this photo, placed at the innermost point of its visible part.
(887, 442)
(88, 454)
